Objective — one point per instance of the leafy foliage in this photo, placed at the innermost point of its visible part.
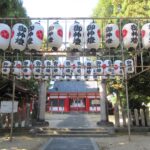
(13, 9)
(138, 86)
(122, 8)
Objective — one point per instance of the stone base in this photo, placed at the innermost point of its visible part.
(105, 123)
(40, 123)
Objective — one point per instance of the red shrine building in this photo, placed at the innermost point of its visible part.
(67, 96)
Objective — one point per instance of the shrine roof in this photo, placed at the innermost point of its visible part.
(74, 86)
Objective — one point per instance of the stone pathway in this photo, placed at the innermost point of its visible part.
(73, 120)
(71, 144)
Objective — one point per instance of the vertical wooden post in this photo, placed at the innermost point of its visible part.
(12, 113)
(87, 104)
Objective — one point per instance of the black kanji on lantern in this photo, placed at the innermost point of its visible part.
(109, 35)
(30, 39)
(21, 35)
(77, 34)
(50, 34)
(134, 34)
(90, 33)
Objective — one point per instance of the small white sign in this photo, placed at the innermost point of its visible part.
(6, 106)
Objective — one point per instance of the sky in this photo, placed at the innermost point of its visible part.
(59, 8)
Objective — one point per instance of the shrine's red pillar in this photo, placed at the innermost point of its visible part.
(66, 105)
(87, 104)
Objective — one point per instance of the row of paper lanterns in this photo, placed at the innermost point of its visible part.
(20, 37)
(48, 68)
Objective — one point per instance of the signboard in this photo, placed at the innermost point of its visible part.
(6, 106)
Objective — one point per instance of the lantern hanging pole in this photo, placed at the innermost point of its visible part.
(12, 115)
(13, 99)
(128, 112)
(126, 83)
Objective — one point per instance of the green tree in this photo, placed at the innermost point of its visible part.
(124, 8)
(13, 9)
(103, 9)
(138, 86)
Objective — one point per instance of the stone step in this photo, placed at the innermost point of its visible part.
(72, 132)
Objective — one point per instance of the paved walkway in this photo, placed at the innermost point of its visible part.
(71, 144)
(73, 120)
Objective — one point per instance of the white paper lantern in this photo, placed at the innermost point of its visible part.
(107, 64)
(112, 35)
(57, 70)
(27, 69)
(130, 35)
(112, 76)
(55, 35)
(5, 34)
(118, 67)
(76, 64)
(99, 63)
(48, 67)
(19, 37)
(97, 70)
(37, 70)
(67, 63)
(95, 76)
(129, 66)
(17, 67)
(93, 35)
(88, 69)
(67, 71)
(19, 77)
(77, 71)
(145, 32)
(57, 63)
(35, 36)
(76, 36)
(45, 77)
(6, 65)
(67, 68)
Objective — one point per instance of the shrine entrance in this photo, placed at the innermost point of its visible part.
(78, 104)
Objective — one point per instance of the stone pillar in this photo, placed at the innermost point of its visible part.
(42, 100)
(136, 115)
(103, 105)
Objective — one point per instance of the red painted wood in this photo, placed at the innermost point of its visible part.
(66, 105)
(87, 104)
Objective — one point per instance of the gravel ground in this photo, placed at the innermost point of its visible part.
(121, 142)
(22, 143)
